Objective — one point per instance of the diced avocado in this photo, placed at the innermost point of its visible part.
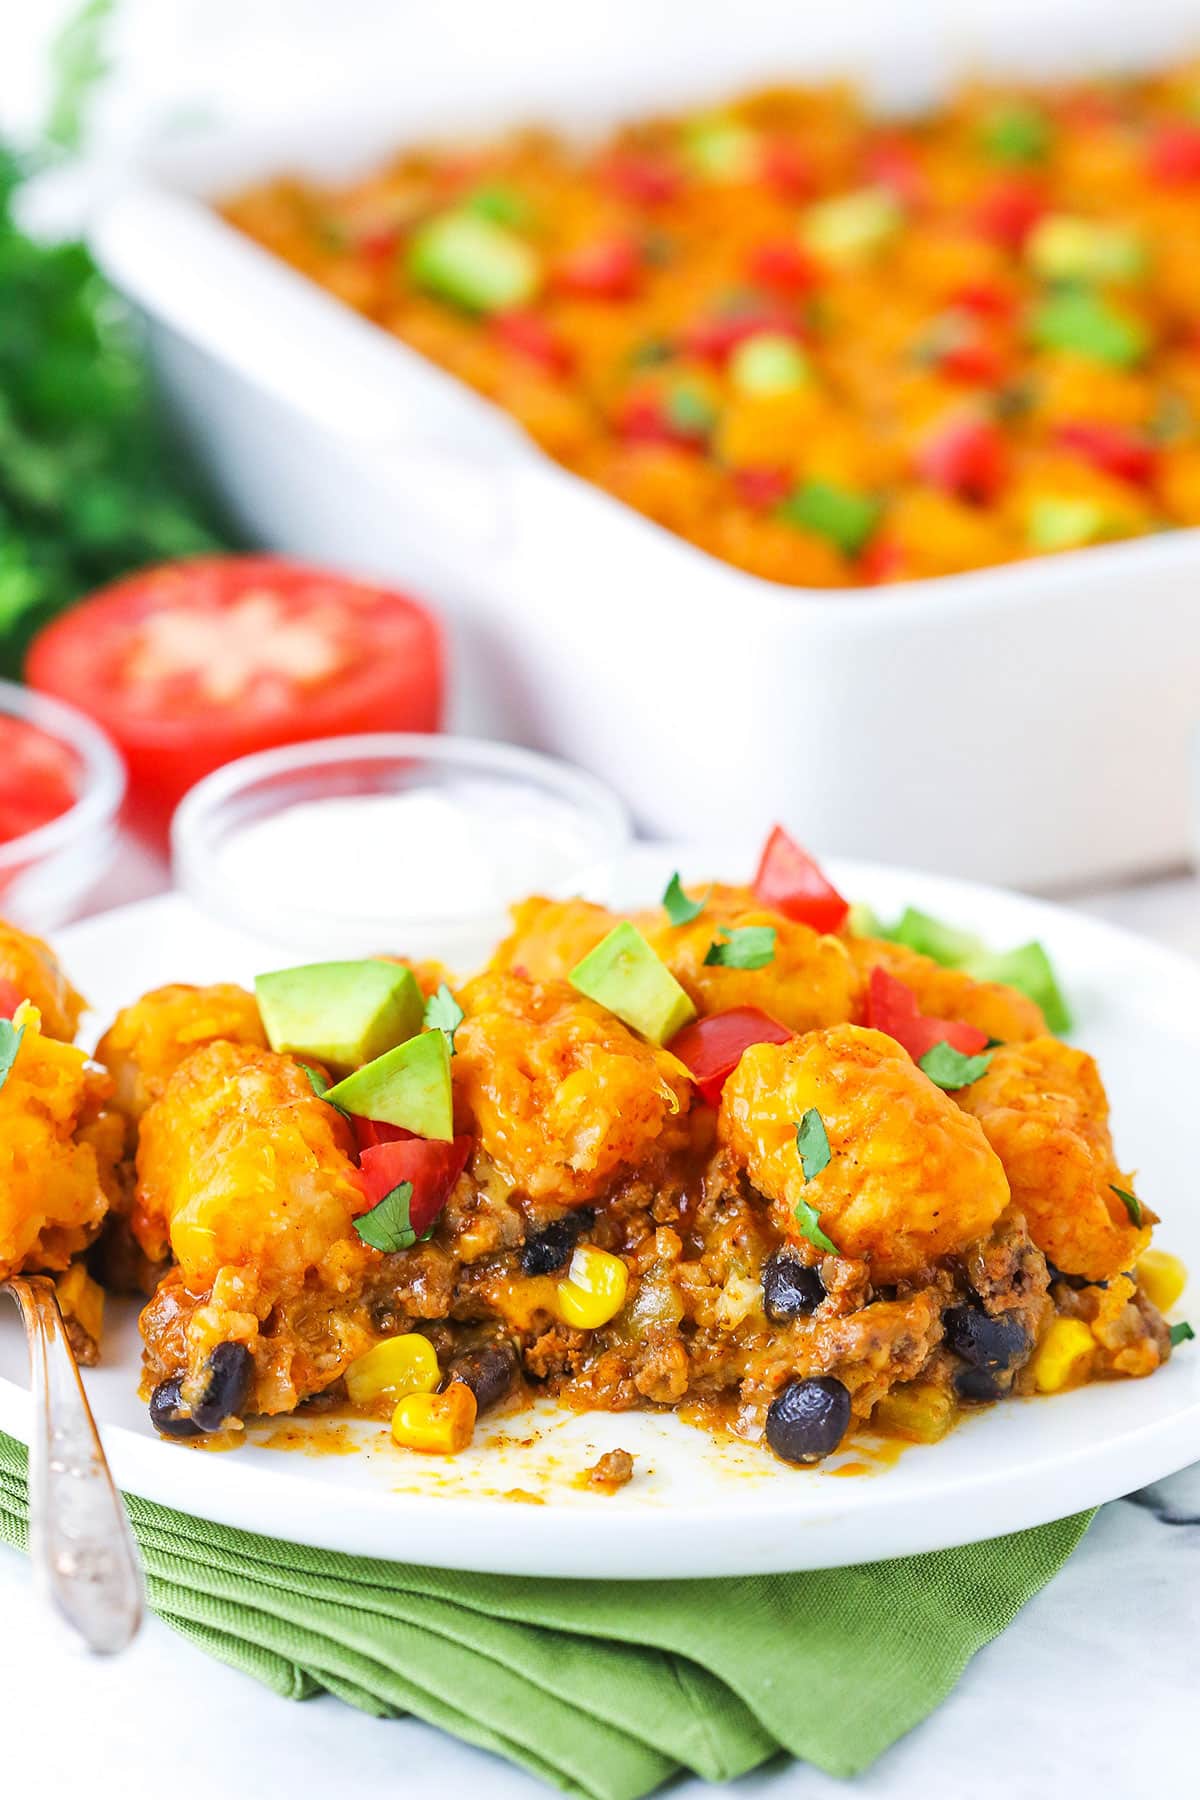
(932, 937)
(1068, 523)
(845, 518)
(768, 363)
(623, 974)
(339, 1013)
(850, 228)
(1028, 969)
(1063, 247)
(474, 262)
(1083, 322)
(1016, 134)
(863, 921)
(408, 1086)
(722, 149)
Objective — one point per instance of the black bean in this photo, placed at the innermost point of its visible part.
(808, 1419)
(229, 1370)
(546, 1250)
(789, 1289)
(489, 1372)
(991, 1347)
(167, 1413)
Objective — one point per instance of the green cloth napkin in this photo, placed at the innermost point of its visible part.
(605, 1688)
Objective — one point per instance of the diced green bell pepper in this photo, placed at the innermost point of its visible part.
(1016, 134)
(473, 262)
(845, 518)
(1087, 324)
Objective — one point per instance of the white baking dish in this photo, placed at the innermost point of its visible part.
(1027, 724)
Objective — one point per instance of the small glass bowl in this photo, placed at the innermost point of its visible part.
(491, 780)
(44, 874)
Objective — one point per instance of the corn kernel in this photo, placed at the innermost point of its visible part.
(594, 1291)
(1063, 1356)
(399, 1365)
(439, 1424)
(82, 1299)
(917, 1410)
(1161, 1277)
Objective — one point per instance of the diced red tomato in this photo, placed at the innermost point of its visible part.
(965, 458)
(10, 998)
(373, 1132)
(762, 488)
(39, 778)
(380, 246)
(881, 561)
(715, 339)
(784, 267)
(433, 1168)
(610, 269)
(985, 300)
(643, 419)
(892, 1008)
(532, 336)
(790, 882)
(647, 177)
(712, 1047)
(1009, 211)
(787, 169)
(1173, 154)
(1120, 452)
(974, 359)
(191, 664)
(892, 162)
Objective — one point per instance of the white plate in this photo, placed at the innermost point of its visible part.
(698, 1507)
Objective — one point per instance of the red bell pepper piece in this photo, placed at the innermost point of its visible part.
(432, 1167)
(762, 489)
(610, 269)
(1173, 154)
(647, 177)
(10, 998)
(786, 168)
(1009, 211)
(789, 881)
(892, 1008)
(965, 458)
(784, 267)
(530, 335)
(712, 1047)
(1115, 450)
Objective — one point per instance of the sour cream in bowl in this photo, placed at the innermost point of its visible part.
(391, 842)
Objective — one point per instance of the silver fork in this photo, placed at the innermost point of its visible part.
(82, 1548)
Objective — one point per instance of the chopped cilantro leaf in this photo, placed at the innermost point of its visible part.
(809, 1221)
(1181, 1333)
(747, 947)
(812, 1144)
(10, 1043)
(320, 1088)
(948, 1068)
(1132, 1204)
(388, 1226)
(680, 910)
(443, 1013)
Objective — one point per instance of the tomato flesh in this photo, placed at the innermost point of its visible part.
(790, 882)
(712, 1047)
(10, 998)
(965, 458)
(1111, 448)
(194, 663)
(892, 1008)
(39, 778)
(610, 269)
(432, 1167)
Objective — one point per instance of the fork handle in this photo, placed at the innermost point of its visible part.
(80, 1540)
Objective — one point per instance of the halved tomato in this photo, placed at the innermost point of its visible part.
(194, 663)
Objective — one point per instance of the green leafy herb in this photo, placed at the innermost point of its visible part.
(388, 1225)
(812, 1144)
(809, 1221)
(747, 947)
(680, 910)
(1181, 1333)
(10, 1043)
(320, 1088)
(443, 1013)
(948, 1068)
(1132, 1204)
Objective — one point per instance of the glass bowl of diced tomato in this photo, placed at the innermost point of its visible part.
(61, 788)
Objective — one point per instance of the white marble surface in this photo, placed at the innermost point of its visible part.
(1091, 1690)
